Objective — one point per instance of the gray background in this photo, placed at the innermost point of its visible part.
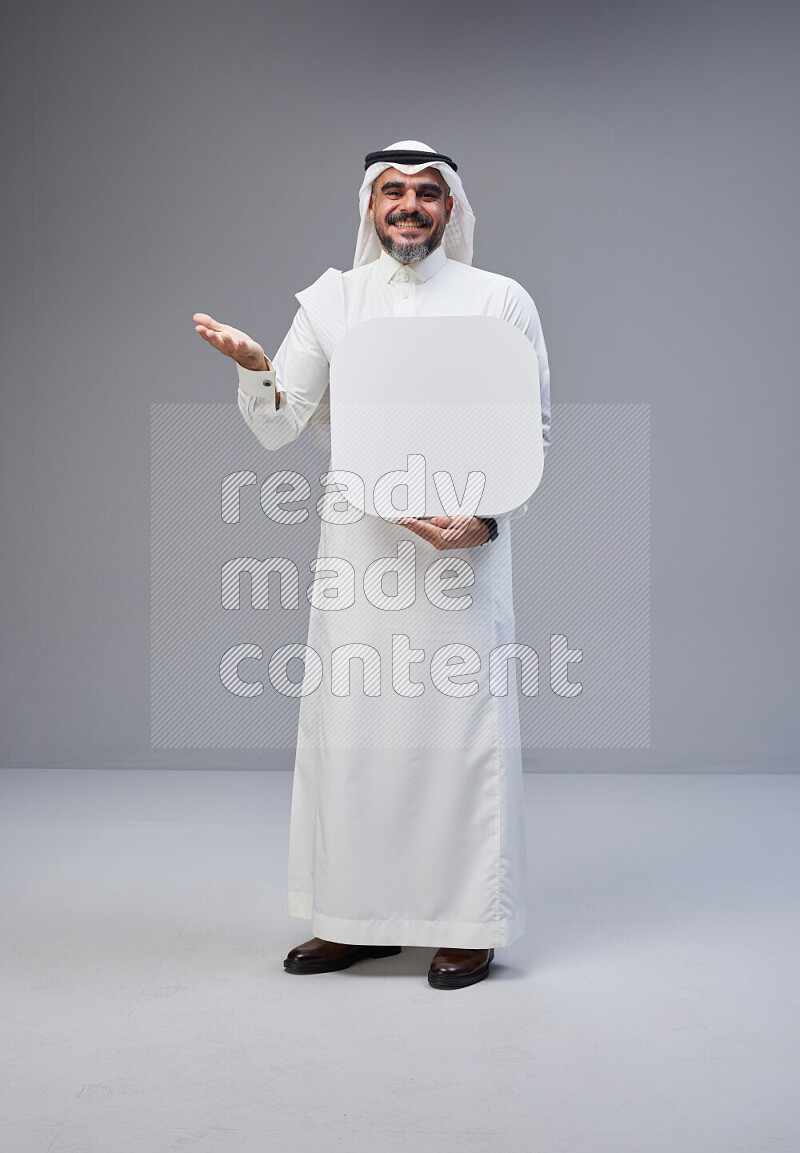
(634, 166)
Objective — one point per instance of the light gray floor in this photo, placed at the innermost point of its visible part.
(652, 1007)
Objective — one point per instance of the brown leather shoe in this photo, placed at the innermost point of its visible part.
(454, 968)
(319, 956)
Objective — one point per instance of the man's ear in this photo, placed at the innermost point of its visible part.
(448, 209)
(371, 206)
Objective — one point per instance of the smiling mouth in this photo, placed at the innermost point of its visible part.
(409, 225)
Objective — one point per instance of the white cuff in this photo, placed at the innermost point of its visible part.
(261, 383)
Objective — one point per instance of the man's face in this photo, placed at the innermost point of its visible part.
(410, 212)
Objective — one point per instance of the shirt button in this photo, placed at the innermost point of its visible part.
(405, 294)
(403, 276)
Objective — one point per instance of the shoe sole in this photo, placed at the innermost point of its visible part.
(442, 981)
(344, 963)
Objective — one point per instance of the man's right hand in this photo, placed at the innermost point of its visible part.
(231, 342)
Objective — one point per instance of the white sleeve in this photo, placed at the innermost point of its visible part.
(520, 310)
(301, 375)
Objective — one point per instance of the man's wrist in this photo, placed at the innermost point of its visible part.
(255, 366)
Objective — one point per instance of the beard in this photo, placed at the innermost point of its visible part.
(410, 253)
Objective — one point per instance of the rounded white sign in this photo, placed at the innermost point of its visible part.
(436, 415)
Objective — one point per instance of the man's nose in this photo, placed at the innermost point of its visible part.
(409, 201)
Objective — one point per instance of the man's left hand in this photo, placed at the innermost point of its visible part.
(445, 532)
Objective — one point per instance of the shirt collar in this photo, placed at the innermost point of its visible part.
(423, 270)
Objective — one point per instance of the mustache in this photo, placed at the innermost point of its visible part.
(406, 218)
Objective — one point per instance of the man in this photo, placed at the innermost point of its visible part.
(407, 824)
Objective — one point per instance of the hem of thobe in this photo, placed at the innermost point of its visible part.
(436, 934)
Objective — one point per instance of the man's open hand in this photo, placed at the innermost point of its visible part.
(445, 532)
(231, 342)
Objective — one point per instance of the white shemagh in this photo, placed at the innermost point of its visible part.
(457, 240)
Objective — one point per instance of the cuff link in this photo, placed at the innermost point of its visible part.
(258, 384)
(267, 379)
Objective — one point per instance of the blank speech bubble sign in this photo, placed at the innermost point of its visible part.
(424, 407)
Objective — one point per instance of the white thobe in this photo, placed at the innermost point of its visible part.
(407, 822)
